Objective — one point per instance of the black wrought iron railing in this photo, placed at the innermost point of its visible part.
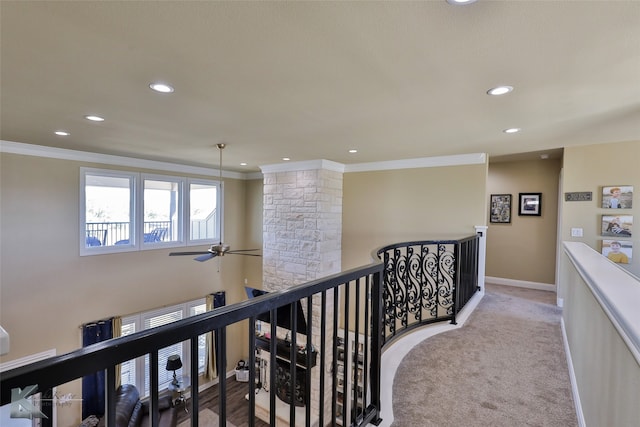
(113, 233)
(349, 318)
(426, 282)
(327, 299)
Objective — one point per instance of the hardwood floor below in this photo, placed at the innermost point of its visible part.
(237, 404)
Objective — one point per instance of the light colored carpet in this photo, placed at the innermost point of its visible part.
(206, 418)
(505, 367)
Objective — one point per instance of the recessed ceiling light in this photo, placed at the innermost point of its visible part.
(94, 118)
(499, 90)
(243, 164)
(544, 156)
(457, 2)
(62, 133)
(353, 151)
(286, 159)
(511, 130)
(161, 87)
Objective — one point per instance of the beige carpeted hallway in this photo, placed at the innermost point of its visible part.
(505, 367)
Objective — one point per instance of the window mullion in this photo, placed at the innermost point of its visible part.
(138, 211)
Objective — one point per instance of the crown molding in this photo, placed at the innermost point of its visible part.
(107, 159)
(254, 175)
(302, 166)
(422, 162)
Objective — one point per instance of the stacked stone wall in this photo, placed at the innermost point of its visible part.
(302, 241)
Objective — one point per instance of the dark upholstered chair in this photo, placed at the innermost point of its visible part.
(131, 411)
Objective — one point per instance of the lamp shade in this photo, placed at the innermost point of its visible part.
(174, 363)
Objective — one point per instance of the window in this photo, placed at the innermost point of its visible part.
(107, 209)
(116, 217)
(162, 210)
(136, 371)
(203, 211)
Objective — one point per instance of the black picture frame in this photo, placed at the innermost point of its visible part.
(530, 204)
(500, 208)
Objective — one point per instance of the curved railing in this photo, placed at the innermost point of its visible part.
(416, 283)
(426, 281)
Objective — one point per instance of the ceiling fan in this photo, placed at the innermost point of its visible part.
(220, 249)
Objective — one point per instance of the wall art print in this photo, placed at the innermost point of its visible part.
(530, 204)
(617, 225)
(618, 251)
(500, 208)
(617, 197)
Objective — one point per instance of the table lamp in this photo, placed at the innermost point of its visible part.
(173, 364)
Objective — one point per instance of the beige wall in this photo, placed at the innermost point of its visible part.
(385, 207)
(48, 290)
(42, 272)
(589, 168)
(253, 231)
(524, 249)
(606, 373)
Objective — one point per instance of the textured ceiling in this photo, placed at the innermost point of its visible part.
(310, 80)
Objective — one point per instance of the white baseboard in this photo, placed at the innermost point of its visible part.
(211, 383)
(572, 377)
(520, 283)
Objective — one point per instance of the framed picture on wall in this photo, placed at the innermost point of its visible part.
(617, 197)
(617, 225)
(500, 207)
(530, 204)
(618, 251)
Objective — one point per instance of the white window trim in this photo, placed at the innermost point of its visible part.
(181, 211)
(137, 210)
(219, 208)
(139, 319)
(95, 250)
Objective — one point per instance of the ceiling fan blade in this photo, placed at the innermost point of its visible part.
(206, 257)
(188, 253)
(236, 253)
(242, 250)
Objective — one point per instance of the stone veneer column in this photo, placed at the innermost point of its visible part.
(302, 225)
(302, 236)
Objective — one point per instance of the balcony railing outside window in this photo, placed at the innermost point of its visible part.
(114, 233)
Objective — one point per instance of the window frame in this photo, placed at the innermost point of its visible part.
(133, 189)
(139, 320)
(180, 211)
(136, 206)
(217, 238)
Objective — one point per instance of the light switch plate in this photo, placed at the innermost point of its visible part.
(576, 232)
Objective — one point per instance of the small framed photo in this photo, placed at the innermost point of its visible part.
(617, 225)
(618, 251)
(617, 197)
(500, 208)
(530, 204)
